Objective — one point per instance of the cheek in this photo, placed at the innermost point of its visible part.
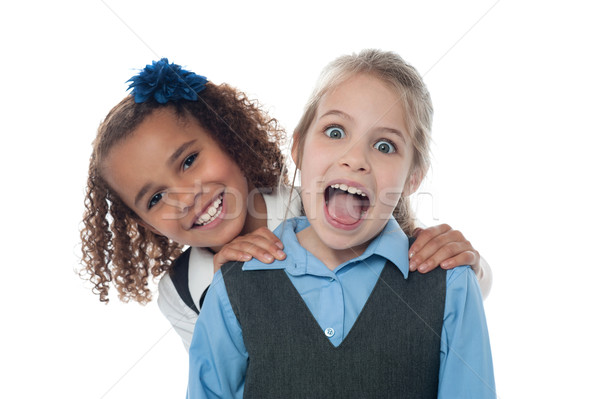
(312, 174)
(389, 197)
(391, 187)
(224, 169)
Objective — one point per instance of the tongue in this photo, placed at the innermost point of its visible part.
(343, 207)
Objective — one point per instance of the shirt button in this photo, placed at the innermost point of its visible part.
(329, 332)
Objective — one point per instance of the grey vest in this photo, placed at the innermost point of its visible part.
(392, 351)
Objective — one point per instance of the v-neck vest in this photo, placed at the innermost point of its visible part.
(392, 350)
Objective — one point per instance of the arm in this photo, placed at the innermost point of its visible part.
(442, 245)
(466, 369)
(218, 357)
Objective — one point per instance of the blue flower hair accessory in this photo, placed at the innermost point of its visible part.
(166, 82)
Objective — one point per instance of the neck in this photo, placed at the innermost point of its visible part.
(331, 257)
(256, 215)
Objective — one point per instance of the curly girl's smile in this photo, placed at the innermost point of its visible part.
(213, 211)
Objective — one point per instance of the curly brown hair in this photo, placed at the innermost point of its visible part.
(115, 246)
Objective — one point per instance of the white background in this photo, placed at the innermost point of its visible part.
(516, 91)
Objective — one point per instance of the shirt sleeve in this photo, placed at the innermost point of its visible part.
(466, 369)
(218, 357)
(485, 277)
(483, 272)
(181, 317)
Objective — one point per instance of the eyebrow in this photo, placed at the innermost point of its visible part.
(336, 112)
(174, 156)
(141, 193)
(344, 115)
(396, 132)
(177, 153)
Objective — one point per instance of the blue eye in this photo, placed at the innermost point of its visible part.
(335, 132)
(155, 199)
(385, 146)
(189, 161)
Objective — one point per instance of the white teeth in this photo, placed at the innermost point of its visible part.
(350, 189)
(211, 213)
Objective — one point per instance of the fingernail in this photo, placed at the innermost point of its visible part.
(279, 244)
(269, 258)
(423, 267)
(412, 266)
(246, 257)
(280, 254)
(411, 254)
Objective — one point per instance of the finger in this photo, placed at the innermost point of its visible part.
(426, 235)
(464, 258)
(257, 247)
(243, 253)
(438, 242)
(446, 253)
(434, 244)
(229, 254)
(416, 232)
(263, 249)
(268, 235)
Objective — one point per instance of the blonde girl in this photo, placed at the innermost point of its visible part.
(342, 315)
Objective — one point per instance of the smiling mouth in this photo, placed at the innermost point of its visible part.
(346, 204)
(212, 212)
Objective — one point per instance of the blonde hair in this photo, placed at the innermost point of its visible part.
(414, 97)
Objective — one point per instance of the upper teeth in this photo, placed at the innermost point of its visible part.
(212, 212)
(350, 189)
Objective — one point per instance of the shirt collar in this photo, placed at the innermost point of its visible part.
(286, 232)
(391, 244)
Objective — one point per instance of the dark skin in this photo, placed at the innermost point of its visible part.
(441, 245)
(434, 246)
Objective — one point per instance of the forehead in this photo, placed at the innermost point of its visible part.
(158, 132)
(145, 153)
(369, 96)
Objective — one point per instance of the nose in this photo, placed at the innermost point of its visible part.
(355, 157)
(182, 199)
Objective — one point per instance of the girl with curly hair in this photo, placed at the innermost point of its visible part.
(183, 162)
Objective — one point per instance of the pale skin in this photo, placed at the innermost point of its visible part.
(438, 245)
(358, 139)
(176, 186)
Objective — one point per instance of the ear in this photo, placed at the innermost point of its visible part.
(413, 182)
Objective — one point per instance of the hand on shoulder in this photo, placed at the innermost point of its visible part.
(261, 244)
